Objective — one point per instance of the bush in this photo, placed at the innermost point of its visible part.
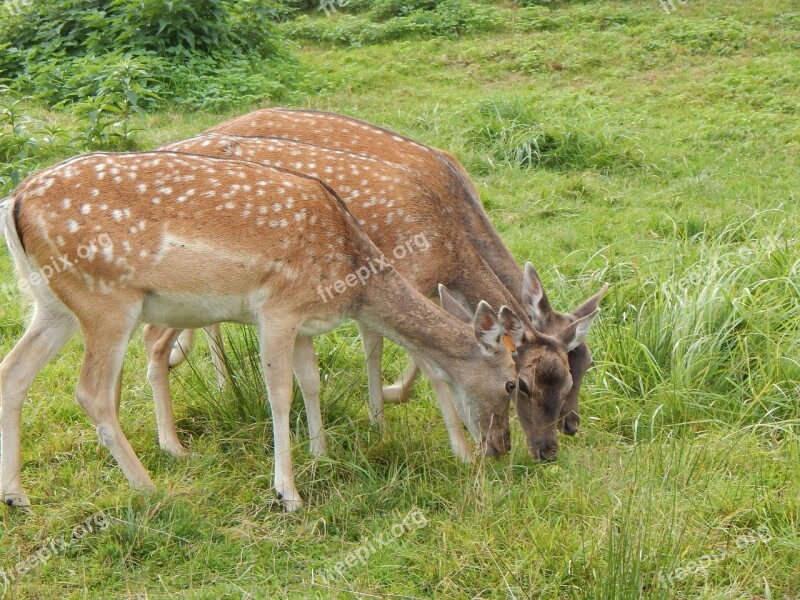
(63, 51)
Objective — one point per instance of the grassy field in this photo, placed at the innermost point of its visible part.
(612, 141)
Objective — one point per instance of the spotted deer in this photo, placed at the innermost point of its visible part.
(335, 131)
(395, 205)
(106, 241)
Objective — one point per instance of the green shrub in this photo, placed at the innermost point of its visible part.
(63, 51)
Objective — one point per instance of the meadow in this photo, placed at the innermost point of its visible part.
(611, 141)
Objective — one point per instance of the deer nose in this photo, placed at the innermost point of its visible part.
(571, 424)
(497, 443)
(547, 451)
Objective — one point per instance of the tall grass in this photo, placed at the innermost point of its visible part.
(708, 327)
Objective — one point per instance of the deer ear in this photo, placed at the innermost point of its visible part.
(513, 329)
(574, 334)
(534, 300)
(453, 306)
(591, 304)
(488, 330)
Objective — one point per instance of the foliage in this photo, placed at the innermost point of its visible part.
(63, 50)
(24, 141)
(392, 20)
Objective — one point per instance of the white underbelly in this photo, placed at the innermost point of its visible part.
(318, 326)
(180, 310)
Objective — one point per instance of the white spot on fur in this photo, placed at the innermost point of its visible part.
(72, 226)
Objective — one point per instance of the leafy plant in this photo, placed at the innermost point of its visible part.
(120, 94)
(63, 51)
(23, 140)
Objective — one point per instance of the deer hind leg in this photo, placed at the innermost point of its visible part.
(400, 391)
(46, 335)
(159, 344)
(106, 339)
(277, 339)
(306, 370)
(373, 348)
(181, 349)
(217, 347)
(458, 441)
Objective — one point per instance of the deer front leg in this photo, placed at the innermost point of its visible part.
(45, 336)
(373, 348)
(458, 441)
(306, 370)
(277, 339)
(159, 344)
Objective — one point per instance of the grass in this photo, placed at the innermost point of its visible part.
(610, 142)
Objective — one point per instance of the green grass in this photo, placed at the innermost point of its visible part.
(610, 142)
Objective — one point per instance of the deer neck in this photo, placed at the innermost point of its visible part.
(393, 308)
(480, 231)
(478, 281)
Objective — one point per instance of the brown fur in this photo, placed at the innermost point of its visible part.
(395, 204)
(461, 198)
(180, 240)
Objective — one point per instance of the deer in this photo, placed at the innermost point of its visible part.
(356, 136)
(105, 241)
(395, 205)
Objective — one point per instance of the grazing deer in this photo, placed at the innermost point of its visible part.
(353, 135)
(394, 206)
(105, 241)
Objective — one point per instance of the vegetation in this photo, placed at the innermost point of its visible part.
(611, 141)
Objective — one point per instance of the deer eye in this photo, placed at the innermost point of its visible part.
(510, 386)
(523, 387)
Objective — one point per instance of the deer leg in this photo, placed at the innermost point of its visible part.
(118, 392)
(106, 341)
(458, 441)
(400, 391)
(215, 344)
(373, 348)
(180, 352)
(45, 336)
(159, 343)
(306, 370)
(277, 341)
